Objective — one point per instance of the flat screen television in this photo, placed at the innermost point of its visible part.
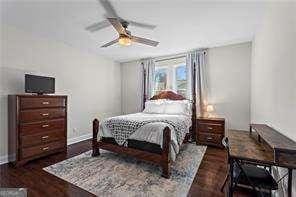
(39, 84)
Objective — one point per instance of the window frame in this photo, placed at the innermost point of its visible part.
(171, 77)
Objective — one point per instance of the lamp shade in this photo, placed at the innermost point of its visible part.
(124, 40)
(210, 108)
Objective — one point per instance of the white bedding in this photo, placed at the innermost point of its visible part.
(151, 131)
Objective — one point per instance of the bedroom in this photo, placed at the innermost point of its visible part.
(249, 78)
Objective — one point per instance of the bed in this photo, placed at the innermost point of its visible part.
(151, 135)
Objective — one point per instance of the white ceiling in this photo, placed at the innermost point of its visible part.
(181, 25)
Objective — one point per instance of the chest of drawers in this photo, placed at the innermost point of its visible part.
(210, 131)
(37, 126)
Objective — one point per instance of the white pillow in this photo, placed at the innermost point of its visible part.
(164, 106)
(182, 107)
(154, 107)
(188, 106)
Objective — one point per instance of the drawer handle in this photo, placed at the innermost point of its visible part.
(45, 125)
(45, 137)
(45, 148)
(209, 138)
(210, 128)
(46, 114)
(45, 103)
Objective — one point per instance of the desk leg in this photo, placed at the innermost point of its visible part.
(259, 138)
(290, 171)
(230, 188)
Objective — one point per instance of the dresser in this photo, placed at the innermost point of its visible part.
(210, 131)
(37, 126)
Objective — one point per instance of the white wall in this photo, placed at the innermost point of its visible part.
(274, 70)
(228, 71)
(131, 87)
(273, 87)
(92, 83)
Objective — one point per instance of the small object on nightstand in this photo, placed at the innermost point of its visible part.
(210, 108)
(210, 131)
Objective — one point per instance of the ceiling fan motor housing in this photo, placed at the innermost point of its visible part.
(124, 36)
(124, 23)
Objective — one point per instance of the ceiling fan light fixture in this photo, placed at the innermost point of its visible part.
(124, 40)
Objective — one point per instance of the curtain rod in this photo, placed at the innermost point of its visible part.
(172, 58)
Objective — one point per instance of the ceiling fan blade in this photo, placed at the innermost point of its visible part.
(143, 25)
(145, 41)
(110, 43)
(109, 8)
(98, 26)
(117, 25)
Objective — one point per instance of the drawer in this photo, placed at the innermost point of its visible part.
(37, 127)
(41, 102)
(206, 127)
(209, 138)
(42, 114)
(42, 138)
(41, 149)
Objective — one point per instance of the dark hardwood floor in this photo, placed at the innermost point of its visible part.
(207, 182)
(211, 175)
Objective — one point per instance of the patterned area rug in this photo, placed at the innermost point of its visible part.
(112, 174)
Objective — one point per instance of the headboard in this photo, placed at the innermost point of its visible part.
(170, 95)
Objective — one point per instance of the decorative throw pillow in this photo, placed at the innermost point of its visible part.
(182, 107)
(154, 107)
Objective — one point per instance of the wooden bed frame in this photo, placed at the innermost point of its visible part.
(162, 159)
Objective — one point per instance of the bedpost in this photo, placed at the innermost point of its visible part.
(166, 152)
(193, 127)
(96, 150)
(144, 87)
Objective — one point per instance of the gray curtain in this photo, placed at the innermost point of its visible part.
(199, 59)
(148, 71)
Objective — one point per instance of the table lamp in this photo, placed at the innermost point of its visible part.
(210, 108)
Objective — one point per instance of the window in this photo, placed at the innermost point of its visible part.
(160, 80)
(171, 75)
(181, 79)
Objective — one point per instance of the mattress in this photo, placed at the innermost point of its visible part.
(145, 131)
(136, 144)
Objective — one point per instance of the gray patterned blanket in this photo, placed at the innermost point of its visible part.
(146, 127)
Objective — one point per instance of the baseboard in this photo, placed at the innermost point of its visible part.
(4, 159)
(79, 139)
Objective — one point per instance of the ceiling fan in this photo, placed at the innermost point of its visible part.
(125, 38)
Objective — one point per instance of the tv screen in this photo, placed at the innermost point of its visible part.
(39, 84)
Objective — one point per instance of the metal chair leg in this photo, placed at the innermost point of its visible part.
(230, 190)
(225, 180)
(236, 180)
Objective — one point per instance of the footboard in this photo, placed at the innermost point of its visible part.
(162, 159)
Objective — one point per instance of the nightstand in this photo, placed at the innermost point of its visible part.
(210, 131)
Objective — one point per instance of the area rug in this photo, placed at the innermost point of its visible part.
(112, 174)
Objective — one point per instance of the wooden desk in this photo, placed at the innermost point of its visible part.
(251, 147)
(244, 146)
(284, 149)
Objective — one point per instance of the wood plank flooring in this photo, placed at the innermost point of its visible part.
(207, 182)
